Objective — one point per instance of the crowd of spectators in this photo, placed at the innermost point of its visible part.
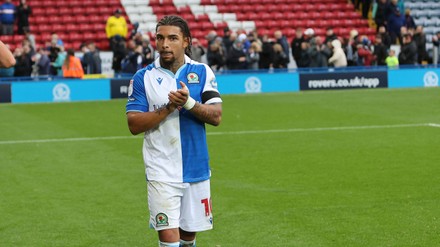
(234, 49)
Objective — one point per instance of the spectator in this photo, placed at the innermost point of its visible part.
(58, 53)
(296, 45)
(23, 13)
(246, 43)
(338, 59)
(253, 56)
(395, 20)
(365, 53)
(380, 17)
(7, 59)
(409, 20)
(7, 17)
(319, 53)
(119, 52)
(91, 60)
(30, 37)
(436, 42)
(380, 51)
(147, 50)
(403, 32)
(366, 5)
(266, 54)
(23, 67)
(280, 59)
(56, 41)
(391, 60)
(408, 52)
(72, 67)
(305, 59)
(351, 48)
(282, 40)
(236, 57)
(197, 51)
(309, 34)
(386, 39)
(116, 26)
(43, 62)
(211, 36)
(227, 39)
(420, 40)
(137, 38)
(215, 56)
(133, 61)
(329, 35)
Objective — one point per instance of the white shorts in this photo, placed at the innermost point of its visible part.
(180, 205)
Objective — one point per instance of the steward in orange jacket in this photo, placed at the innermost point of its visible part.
(72, 66)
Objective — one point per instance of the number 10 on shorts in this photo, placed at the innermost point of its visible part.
(208, 206)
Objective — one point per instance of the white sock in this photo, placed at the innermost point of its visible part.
(184, 243)
(164, 244)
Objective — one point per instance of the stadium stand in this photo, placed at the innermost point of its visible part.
(265, 16)
(79, 21)
(427, 14)
(75, 21)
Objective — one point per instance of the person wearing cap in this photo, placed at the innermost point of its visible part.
(116, 25)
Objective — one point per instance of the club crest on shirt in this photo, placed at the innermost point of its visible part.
(130, 88)
(161, 219)
(192, 78)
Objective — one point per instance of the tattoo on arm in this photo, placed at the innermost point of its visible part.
(207, 113)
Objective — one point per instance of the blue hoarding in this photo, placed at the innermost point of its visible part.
(403, 78)
(60, 91)
(258, 82)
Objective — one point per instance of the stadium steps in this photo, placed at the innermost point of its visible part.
(75, 22)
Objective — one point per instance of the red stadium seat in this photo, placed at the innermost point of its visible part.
(75, 37)
(70, 27)
(64, 11)
(57, 28)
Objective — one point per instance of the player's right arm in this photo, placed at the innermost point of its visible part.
(140, 117)
(139, 122)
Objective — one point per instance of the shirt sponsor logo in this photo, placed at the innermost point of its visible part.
(193, 78)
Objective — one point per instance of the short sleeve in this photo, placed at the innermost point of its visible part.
(210, 94)
(137, 99)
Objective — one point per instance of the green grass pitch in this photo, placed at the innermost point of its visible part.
(325, 168)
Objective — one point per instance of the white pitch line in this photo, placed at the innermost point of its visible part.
(434, 125)
(244, 132)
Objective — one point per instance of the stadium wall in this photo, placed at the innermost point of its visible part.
(246, 82)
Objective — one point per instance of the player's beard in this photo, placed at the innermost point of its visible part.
(167, 59)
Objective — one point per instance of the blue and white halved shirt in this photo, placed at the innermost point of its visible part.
(176, 150)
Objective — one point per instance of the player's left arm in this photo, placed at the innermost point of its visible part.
(208, 113)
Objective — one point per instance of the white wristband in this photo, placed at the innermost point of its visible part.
(190, 103)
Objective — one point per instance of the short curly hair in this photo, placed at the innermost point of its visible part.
(173, 20)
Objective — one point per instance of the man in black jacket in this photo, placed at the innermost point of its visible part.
(408, 53)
